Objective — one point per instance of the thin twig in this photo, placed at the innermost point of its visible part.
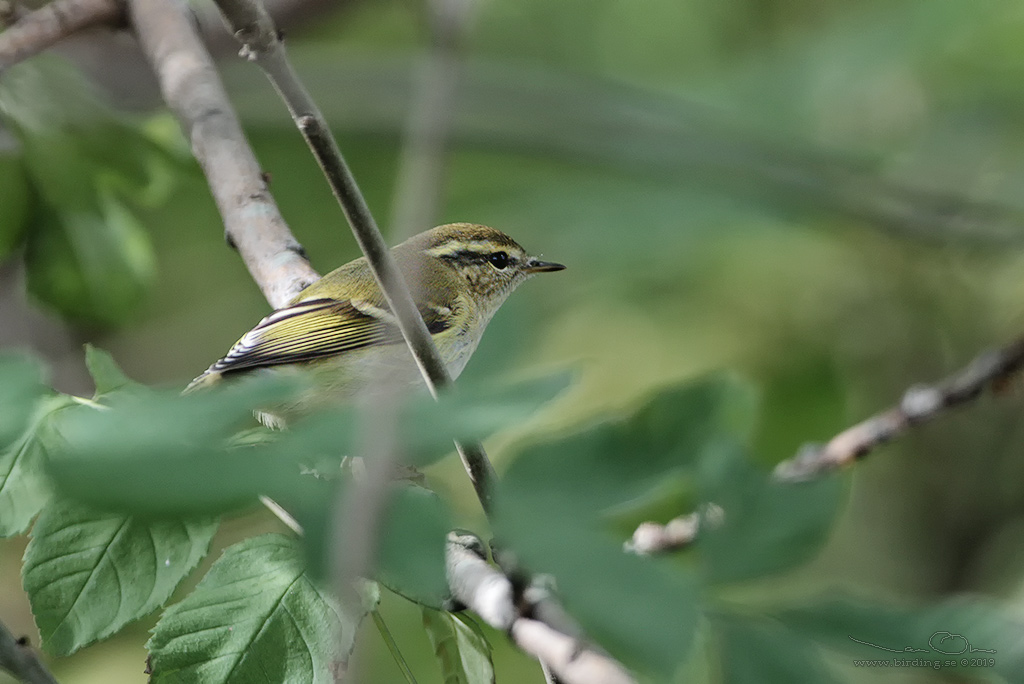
(21, 660)
(255, 30)
(919, 404)
(676, 534)
(192, 88)
(42, 28)
(490, 594)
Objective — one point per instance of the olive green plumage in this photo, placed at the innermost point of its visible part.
(341, 327)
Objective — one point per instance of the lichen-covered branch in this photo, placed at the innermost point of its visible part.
(192, 88)
(490, 594)
(921, 403)
(40, 29)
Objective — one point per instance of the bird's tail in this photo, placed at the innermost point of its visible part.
(209, 378)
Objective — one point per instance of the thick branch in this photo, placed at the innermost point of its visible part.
(261, 43)
(919, 404)
(192, 88)
(489, 593)
(18, 658)
(42, 28)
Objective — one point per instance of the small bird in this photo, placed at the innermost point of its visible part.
(340, 327)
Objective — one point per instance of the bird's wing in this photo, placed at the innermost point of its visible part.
(317, 328)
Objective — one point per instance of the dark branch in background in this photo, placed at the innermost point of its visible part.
(490, 594)
(991, 370)
(42, 28)
(21, 660)
(193, 89)
(587, 120)
(419, 187)
(255, 29)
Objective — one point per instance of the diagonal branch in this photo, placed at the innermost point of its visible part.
(261, 43)
(990, 370)
(42, 28)
(921, 403)
(192, 88)
(18, 658)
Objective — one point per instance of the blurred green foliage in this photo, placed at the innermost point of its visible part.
(823, 196)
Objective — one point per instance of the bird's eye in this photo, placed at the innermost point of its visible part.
(499, 260)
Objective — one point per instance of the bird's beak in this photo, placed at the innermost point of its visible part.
(538, 266)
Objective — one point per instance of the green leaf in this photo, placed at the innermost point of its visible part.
(411, 554)
(89, 573)
(472, 412)
(24, 485)
(460, 646)
(87, 255)
(255, 617)
(554, 503)
(163, 453)
(106, 374)
(413, 529)
(92, 264)
(21, 386)
(963, 627)
(757, 652)
(768, 526)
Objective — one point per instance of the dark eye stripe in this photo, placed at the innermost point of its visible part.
(466, 255)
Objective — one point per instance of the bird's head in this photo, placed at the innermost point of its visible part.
(490, 263)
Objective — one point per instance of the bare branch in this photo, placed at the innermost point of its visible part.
(489, 593)
(919, 404)
(21, 660)
(44, 27)
(261, 43)
(192, 88)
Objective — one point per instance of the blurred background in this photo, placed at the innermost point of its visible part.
(824, 196)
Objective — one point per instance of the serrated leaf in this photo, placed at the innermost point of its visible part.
(89, 573)
(106, 374)
(460, 646)
(255, 617)
(21, 386)
(24, 485)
